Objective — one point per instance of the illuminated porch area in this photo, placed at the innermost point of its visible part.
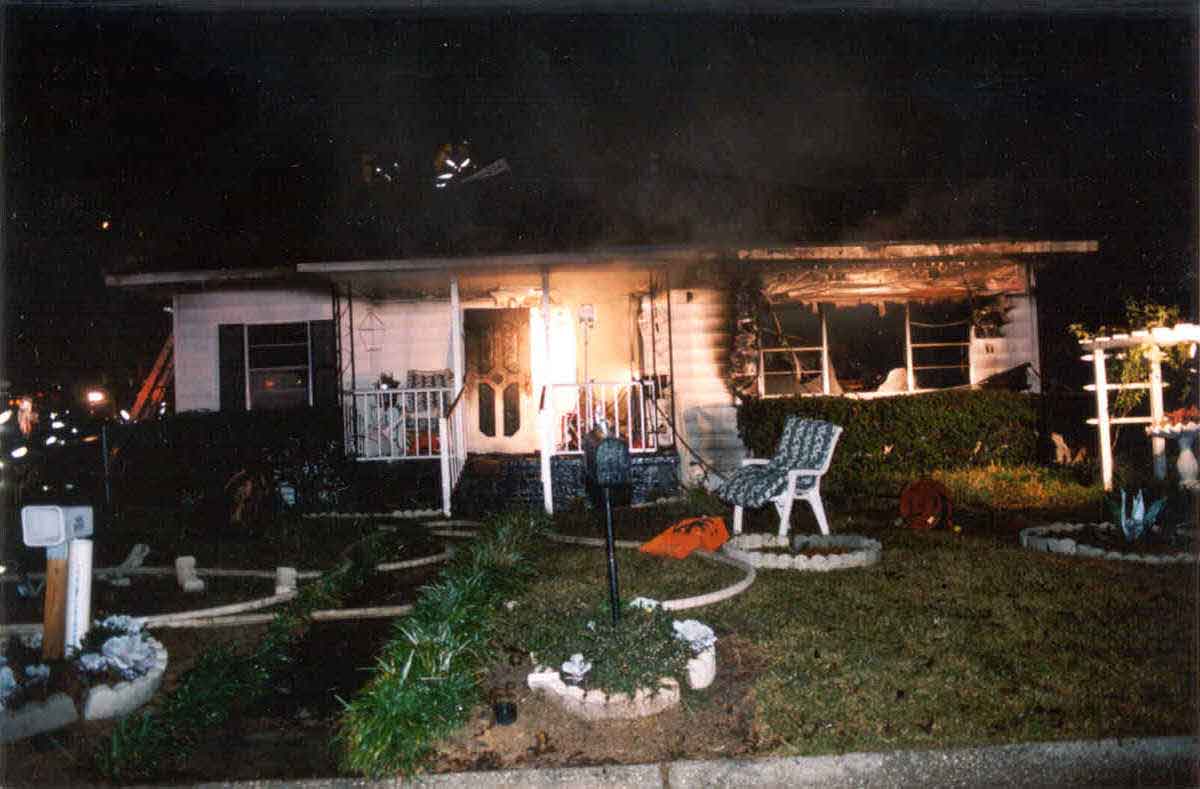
(496, 367)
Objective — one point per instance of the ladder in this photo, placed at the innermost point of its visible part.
(154, 388)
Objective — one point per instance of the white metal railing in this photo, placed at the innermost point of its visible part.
(396, 424)
(629, 409)
(453, 449)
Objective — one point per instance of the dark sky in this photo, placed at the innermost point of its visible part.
(211, 136)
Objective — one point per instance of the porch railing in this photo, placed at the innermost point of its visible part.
(628, 409)
(396, 424)
(453, 449)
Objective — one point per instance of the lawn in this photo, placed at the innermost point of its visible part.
(950, 640)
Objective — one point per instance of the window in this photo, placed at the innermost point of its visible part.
(273, 366)
(887, 348)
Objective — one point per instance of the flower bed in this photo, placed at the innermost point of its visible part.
(597, 703)
(1070, 539)
(117, 670)
(816, 553)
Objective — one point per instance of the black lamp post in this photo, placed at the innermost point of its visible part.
(606, 461)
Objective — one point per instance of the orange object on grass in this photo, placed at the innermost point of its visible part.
(706, 533)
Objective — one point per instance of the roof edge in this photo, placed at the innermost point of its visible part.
(910, 251)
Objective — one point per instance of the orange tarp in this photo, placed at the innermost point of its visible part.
(705, 533)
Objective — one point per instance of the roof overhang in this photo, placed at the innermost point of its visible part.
(199, 278)
(978, 255)
(892, 251)
(637, 256)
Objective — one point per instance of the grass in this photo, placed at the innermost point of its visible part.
(1020, 488)
(948, 641)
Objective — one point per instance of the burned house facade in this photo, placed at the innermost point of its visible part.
(442, 359)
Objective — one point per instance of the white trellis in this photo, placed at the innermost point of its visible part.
(1154, 340)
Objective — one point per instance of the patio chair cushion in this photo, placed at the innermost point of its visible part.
(429, 379)
(805, 444)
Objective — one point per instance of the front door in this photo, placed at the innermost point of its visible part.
(500, 413)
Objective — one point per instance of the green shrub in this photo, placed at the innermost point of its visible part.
(904, 437)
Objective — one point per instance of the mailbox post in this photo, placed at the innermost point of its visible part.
(606, 461)
(66, 612)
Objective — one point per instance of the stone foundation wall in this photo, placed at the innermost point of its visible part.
(496, 482)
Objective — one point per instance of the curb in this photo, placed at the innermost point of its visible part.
(1153, 761)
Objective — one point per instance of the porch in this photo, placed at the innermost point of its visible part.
(495, 376)
(424, 426)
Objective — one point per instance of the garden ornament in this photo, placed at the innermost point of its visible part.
(925, 504)
(1139, 521)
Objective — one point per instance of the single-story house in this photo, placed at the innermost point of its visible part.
(521, 354)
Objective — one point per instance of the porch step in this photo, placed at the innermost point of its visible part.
(493, 483)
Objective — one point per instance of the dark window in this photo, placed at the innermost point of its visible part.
(487, 410)
(512, 409)
(277, 365)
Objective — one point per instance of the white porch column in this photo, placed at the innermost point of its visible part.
(545, 413)
(824, 352)
(910, 379)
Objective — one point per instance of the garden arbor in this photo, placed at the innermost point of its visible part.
(1153, 341)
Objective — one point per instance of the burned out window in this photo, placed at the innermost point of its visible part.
(866, 347)
(940, 334)
(884, 348)
(790, 339)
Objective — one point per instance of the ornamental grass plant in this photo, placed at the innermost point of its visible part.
(426, 680)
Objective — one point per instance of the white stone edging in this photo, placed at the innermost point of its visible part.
(748, 548)
(598, 705)
(407, 514)
(1051, 539)
(99, 703)
(115, 701)
(682, 603)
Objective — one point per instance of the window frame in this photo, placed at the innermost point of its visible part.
(910, 347)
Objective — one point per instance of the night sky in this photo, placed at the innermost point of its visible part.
(142, 139)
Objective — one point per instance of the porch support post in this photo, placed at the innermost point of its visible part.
(909, 376)
(1102, 423)
(444, 461)
(824, 352)
(457, 354)
(1158, 445)
(448, 442)
(545, 405)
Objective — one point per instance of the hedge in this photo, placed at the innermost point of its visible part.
(905, 436)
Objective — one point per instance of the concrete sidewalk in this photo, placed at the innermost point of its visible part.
(1159, 761)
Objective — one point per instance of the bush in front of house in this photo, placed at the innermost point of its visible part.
(425, 681)
(904, 437)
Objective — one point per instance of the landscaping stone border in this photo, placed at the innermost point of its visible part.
(1056, 538)
(682, 603)
(748, 548)
(598, 705)
(101, 703)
